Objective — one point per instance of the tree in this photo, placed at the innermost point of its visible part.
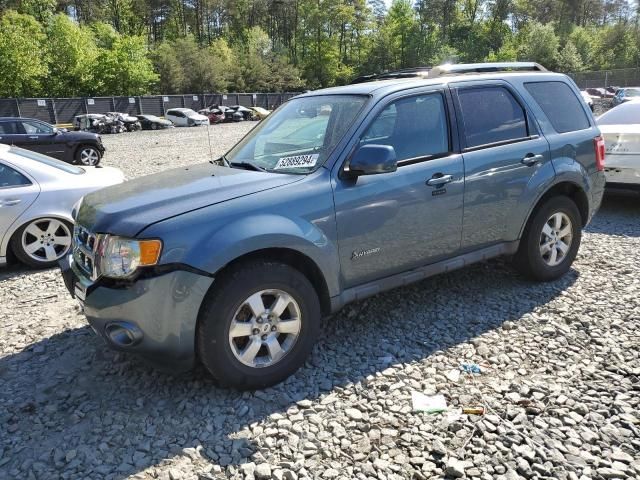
(126, 68)
(22, 63)
(72, 55)
(568, 59)
(540, 44)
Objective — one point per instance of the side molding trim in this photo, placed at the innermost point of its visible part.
(411, 276)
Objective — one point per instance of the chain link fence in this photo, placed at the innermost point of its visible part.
(63, 110)
(622, 77)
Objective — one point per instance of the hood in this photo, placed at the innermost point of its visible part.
(197, 116)
(71, 136)
(128, 208)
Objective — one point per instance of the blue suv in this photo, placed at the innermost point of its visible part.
(340, 194)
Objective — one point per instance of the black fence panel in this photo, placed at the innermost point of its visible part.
(68, 108)
(212, 99)
(9, 107)
(245, 99)
(193, 102)
(172, 101)
(127, 105)
(100, 105)
(152, 106)
(40, 108)
(63, 110)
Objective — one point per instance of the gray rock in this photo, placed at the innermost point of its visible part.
(263, 471)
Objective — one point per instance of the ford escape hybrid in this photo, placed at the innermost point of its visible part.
(338, 195)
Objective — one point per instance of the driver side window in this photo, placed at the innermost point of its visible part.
(32, 128)
(415, 127)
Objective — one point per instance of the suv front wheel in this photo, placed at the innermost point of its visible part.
(551, 240)
(258, 325)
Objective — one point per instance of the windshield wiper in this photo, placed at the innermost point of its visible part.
(248, 166)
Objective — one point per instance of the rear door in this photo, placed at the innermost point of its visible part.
(9, 133)
(503, 153)
(17, 193)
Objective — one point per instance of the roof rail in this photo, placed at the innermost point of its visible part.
(453, 69)
(460, 68)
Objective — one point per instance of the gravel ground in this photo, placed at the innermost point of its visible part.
(560, 378)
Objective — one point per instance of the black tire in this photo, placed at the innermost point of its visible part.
(19, 252)
(154, 126)
(219, 309)
(84, 148)
(529, 259)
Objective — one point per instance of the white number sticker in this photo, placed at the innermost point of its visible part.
(297, 161)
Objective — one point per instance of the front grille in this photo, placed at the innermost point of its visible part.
(85, 245)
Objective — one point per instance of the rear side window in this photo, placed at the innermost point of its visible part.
(491, 115)
(11, 178)
(8, 128)
(560, 104)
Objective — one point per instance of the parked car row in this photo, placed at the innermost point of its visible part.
(234, 113)
(117, 122)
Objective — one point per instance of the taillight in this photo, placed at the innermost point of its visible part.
(598, 144)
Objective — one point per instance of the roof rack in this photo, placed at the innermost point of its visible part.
(453, 69)
(458, 69)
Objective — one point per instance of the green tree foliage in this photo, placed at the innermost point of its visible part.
(178, 46)
(72, 55)
(23, 66)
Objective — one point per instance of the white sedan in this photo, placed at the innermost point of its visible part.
(37, 197)
(620, 129)
(185, 117)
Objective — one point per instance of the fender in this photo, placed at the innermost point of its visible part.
(211, 249)
(567, 170)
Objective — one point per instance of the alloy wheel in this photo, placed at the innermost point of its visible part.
(46, 240)
(265, 328)
(556, 239)
(89, 156)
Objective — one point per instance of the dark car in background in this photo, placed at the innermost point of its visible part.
(625, 95)
(83, 148)
(151, 122)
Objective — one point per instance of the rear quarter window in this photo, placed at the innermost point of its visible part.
(560, 104)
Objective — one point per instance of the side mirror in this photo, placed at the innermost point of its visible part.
(371, 160)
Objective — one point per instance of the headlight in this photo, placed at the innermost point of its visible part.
(120, 257)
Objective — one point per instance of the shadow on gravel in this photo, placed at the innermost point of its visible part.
(83, 409)
(619, 214)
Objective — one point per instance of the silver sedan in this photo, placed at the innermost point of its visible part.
(37, 197)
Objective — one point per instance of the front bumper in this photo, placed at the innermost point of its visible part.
(153, 317)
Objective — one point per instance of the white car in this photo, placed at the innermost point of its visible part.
(37, 197)
(620, 129)
(185, 117)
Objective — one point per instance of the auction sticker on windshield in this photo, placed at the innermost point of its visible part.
(297, 161)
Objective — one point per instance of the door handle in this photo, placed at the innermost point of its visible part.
(530, 159)
(34, 137)
(439, 179)
(11, 202)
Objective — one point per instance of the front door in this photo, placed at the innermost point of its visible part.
(42, 138)
(502, 154)
(392, 222)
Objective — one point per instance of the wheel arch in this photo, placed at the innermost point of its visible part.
(566, 188)
(293, 258)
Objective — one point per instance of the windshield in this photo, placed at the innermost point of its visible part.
(52, 162)
(299, 136)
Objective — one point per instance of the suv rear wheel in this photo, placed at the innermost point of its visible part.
(258, 325)
(551, 240)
